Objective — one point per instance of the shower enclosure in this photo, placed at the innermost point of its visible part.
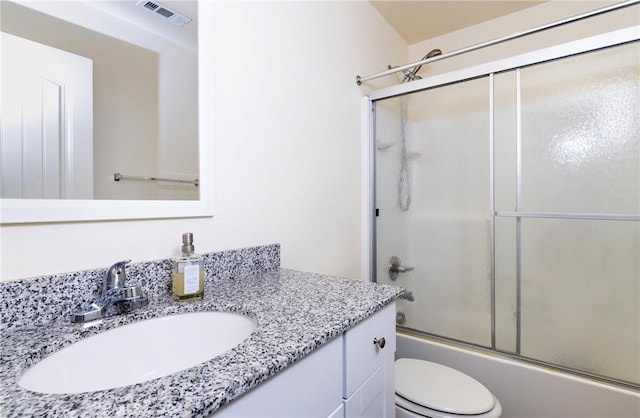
(507, 202)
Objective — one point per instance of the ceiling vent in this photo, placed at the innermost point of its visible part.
(167, 13)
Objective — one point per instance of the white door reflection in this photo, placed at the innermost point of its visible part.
(47, 124)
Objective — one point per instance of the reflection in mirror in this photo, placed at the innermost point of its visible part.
(90, 89)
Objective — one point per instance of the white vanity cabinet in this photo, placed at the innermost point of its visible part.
(351, 376)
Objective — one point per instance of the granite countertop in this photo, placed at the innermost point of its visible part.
(296, 313)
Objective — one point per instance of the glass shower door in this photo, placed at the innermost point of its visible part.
(434, 208)
(509, 208)
(568, 202)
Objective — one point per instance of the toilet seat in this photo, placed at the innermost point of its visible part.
(407, 409)
(422, 386)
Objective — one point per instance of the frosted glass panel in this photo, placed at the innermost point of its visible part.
(581, 133)
(581, 293)
(449, 216)
(506, 290)
(505, 134)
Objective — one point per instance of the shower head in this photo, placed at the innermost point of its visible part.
(432, 53)
(410, 75)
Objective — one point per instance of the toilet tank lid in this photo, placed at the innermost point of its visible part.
(441, 388)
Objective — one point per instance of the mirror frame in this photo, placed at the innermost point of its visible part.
(15, 211)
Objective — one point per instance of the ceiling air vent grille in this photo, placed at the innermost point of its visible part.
(167, 13)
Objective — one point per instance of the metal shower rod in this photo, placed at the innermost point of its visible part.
(606, 9)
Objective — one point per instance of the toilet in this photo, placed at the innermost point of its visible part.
(427, 389)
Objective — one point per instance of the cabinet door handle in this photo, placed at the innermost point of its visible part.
(380, 342)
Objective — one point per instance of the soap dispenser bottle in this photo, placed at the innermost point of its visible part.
(187, 273)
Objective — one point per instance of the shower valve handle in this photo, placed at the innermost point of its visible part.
(396, 267)
(400, 269)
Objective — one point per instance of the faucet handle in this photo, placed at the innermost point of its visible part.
(115, 276)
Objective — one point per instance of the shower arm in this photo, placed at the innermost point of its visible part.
(430, 54)
(606, 9)
(411, 75)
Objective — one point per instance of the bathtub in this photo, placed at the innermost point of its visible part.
(525, 390)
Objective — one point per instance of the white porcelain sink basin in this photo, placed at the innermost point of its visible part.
(138, 352)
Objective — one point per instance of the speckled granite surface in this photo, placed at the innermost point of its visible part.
(296, 313)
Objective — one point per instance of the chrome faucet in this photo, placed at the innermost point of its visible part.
(116, 297)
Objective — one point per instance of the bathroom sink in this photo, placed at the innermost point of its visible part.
(138, 352)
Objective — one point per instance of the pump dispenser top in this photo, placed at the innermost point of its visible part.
(187, 273)
(187, 243)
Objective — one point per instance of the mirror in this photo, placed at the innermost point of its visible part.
(148, 84)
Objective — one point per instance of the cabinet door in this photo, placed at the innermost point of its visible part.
(362, 356)
(376, 397)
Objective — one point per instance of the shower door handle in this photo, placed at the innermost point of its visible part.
(396, 267)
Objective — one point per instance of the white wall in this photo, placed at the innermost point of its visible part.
(286, 142)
